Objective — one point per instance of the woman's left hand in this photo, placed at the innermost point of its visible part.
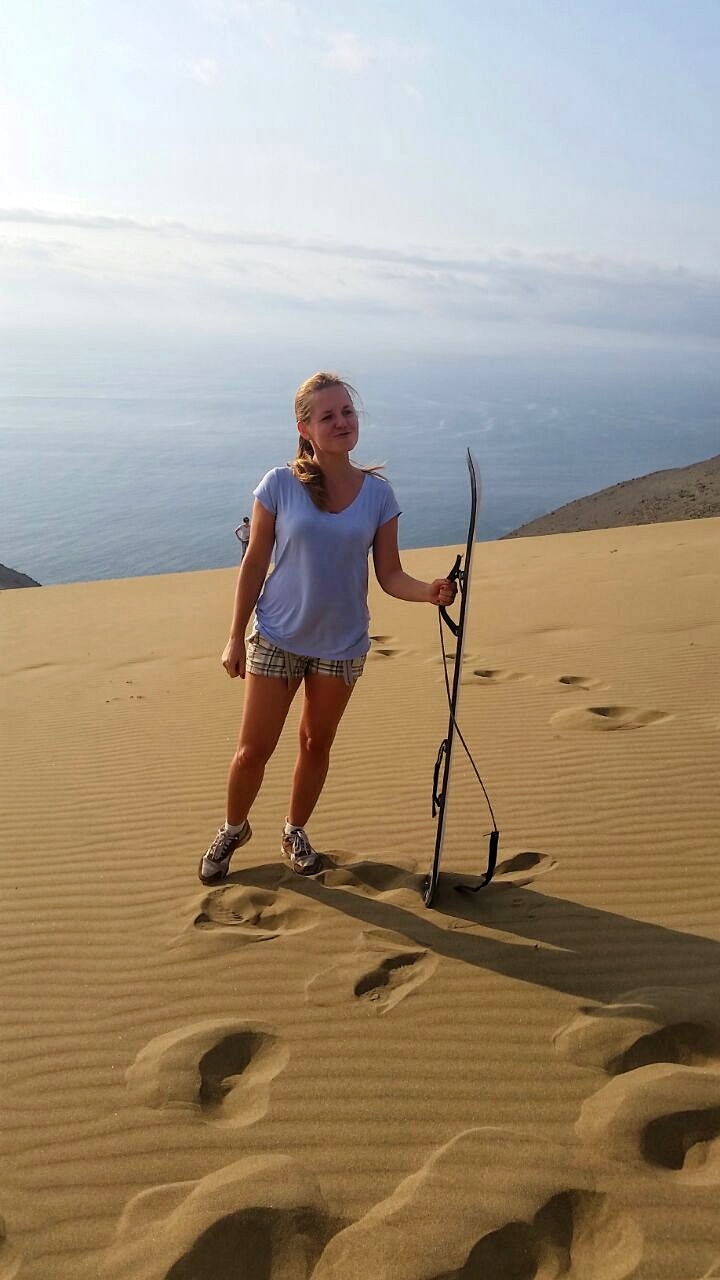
(441, 592)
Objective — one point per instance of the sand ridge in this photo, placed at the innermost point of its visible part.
(322, 1078)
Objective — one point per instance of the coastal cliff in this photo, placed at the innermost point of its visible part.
(12, 578)
(679, 493)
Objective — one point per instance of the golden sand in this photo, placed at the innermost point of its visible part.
(279, 1079)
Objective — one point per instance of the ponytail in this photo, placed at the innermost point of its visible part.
(307, 471)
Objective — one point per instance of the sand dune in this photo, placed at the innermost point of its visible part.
(680, 493)
(285, 1079)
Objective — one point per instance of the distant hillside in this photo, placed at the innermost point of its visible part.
(11, 578)
(682, 493)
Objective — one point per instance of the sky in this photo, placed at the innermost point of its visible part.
(398, 174)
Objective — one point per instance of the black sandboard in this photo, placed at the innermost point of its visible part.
(459, 573)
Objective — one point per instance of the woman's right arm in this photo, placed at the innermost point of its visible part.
(252, 575)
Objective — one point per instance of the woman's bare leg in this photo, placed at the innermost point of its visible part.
(267, 702)
(326, 698)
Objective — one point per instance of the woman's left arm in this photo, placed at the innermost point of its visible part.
(392, 577)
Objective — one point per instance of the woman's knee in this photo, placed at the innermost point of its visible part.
(251, 755)
(315, 743)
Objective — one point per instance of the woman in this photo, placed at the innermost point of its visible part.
(322, 514)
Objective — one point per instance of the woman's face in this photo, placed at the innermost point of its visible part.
(333, 425)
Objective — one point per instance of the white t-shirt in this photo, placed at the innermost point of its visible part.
(315, 600)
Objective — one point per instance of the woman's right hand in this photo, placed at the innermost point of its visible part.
(233, 657)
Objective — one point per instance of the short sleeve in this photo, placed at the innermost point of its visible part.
(389, 506)
(267, 492)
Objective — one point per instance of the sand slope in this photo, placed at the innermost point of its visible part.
(285, 1079)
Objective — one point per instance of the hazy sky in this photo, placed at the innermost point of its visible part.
(471, 174)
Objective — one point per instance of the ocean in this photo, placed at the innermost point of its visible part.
(107, 474)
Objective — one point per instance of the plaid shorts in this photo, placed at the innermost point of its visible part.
(267, 659)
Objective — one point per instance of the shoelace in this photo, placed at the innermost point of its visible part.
(220, 846)
(300, 846)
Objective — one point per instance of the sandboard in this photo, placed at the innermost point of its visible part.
(459, 573)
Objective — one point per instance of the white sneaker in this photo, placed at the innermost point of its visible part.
(300, 854)
(215, 864)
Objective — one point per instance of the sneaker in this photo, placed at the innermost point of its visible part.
(300, 853)
(215, 864)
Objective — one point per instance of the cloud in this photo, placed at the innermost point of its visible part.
(276, 23)
(503, 285)
(347, 51)
(205, 71)
(91, 221)
(18, 249)
(411, 91)
(289, 26)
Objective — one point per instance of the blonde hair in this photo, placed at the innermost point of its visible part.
(304, 465)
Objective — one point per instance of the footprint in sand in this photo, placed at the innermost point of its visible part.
(383, 970)
(578, 682)
(237, 915)
(607, 718)
(437, 660)
(219, 1069)
(262, 1216)
(381, 647)
(513, 1205)
(664, 1116)
(497, 675)
(567, 1232)
(662, 1046)
(397, 884)
(642, 1027)
(523, 868)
